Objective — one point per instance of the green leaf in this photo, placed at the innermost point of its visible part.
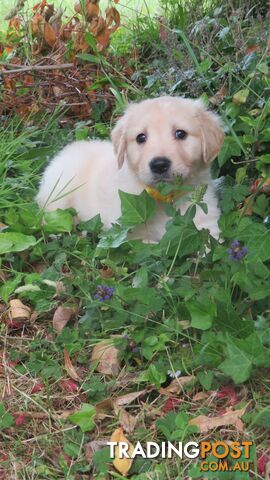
(202, 311)
(15, 242)
(262, 418)
(238, 366)
(58, 221)
(136, 209)
(8, 287)
(241, 96)
(230, 148)
(84, 418)
(6, 420)
(113, 238)
(242, 355)
(155, 376)
(206, 379)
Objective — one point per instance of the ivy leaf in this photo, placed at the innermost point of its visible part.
(58, 221)
(84, 418)
(202, 311)
(113, 238)
(242, 356)
(136, 209)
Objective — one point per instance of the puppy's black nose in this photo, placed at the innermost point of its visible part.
(160, 165)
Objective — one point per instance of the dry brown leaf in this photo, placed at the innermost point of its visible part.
(69, 367)
(104, 407)
(35, 23)
(128, 398)
(123, 465)
(112, 16)
(92, 447)
(219, 96)
(19, 311)
(126, 420)
(91, 11)
(106, 355)
(201, 396)
(61, 317)
(49, 34)
(97, 26)
(106, 272)
(232, 417)
(176, 386)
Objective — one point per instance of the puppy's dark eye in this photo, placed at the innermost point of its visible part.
(141, 138)
(180, 134)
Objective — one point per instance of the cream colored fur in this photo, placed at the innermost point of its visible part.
(87, 175)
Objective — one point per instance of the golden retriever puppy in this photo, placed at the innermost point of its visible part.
(153, 142)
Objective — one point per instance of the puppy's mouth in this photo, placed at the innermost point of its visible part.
(164, 178)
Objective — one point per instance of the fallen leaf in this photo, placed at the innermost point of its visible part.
(176, 386)
(69, 385)
(107, 357)
(61, 317)
(219, 96)
(49, 35)
(123, 465)
(38, 387)
(20, 419)
(200, 396)
(228, 391)
(69, 367)
(106, 272)
(92, 447)
(232, 417)
(262, 463)
(128, 398)
(126, 420)
(171, 404)
(19, 311)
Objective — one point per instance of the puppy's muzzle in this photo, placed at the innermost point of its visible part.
(160, 165)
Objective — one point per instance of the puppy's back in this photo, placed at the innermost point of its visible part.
(70, 172)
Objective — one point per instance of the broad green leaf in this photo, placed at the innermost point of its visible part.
(230, 148)
(15, 242)
(58, 221)
(113, 238)
(238, 366)
(6, 420)
(262, 418)
(84, 418)
(136, 209)
(202, 311)
(242, 355)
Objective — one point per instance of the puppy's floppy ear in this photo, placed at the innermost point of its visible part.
(212, 134)
(118, 136)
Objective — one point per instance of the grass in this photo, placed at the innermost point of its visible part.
(186, 330)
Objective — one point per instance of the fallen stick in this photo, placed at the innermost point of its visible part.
(38, 68)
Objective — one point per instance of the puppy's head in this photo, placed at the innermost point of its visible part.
(167, 136)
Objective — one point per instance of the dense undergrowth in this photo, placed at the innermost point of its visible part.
(186, 329)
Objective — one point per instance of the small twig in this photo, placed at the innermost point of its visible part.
(38, 68)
